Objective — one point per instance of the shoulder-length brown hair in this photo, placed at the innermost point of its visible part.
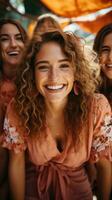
(20, 28)
(30, 104)
(106, 86)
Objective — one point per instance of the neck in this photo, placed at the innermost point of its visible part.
(9, 72)
(55, 110)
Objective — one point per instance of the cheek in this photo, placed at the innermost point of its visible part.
(22, 45)
(102, 67)
(71, 76)
(40, 76)
(38, 80)
(3, 50)
(102, 59)
(71, 81)
(3, 54)
(104, 70)
(4, 45)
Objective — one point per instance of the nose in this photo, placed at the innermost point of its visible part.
(53, 74)
(13, 42)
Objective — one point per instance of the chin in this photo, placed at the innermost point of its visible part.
(14, 63)
(109, 76)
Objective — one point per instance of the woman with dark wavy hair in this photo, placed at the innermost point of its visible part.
(12, 42)
(59, 121)
(103, 48)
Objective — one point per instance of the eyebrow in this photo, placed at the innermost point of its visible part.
(46, 62)
(64, 60)
(8, 34)
(41, 62)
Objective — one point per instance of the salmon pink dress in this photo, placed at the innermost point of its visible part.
(55, 175)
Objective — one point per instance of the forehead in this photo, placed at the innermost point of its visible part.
(108, 39)
(51, 50)
(9, 29)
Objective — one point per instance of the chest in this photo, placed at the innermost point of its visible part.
(58, 131)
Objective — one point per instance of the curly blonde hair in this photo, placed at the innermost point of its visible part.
(30, 103)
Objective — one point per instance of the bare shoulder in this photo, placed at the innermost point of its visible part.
(100, 101)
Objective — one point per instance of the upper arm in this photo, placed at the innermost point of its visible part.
(14, 137)
(102, 137)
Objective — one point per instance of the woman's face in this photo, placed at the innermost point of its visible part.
(54, 73)
(11, 44)
(106, 56)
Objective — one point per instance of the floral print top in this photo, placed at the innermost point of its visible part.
(96, 139)
(13, 139)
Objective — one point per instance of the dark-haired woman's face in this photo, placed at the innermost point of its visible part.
(11, 45)
(106, 56)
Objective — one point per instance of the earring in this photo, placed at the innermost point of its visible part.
(76, 89)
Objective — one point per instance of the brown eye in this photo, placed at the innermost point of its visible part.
(104, 50)
(3, 39)
(19, 38)
(42, 68)
(64, 66)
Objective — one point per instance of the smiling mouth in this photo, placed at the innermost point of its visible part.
(55, 87)
(13, 53)
(109, 66)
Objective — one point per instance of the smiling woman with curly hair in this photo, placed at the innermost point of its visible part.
(30, 106)
(57, 118)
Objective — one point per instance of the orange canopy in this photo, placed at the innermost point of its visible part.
(75, 8)
(94, 26)
(88, 26)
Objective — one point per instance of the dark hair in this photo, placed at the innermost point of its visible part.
(105, 87)
(20, 28)
(17, 24)
(105, 30)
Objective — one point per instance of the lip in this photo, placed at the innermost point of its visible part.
(55, 88)
(109, 66)
(13, 53)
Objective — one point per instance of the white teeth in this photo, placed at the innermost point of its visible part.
(56, 87)
(109, 65)
(13, 53)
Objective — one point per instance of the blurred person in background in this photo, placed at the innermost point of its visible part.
(12, 42)
(103, 47)
(46, 22)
